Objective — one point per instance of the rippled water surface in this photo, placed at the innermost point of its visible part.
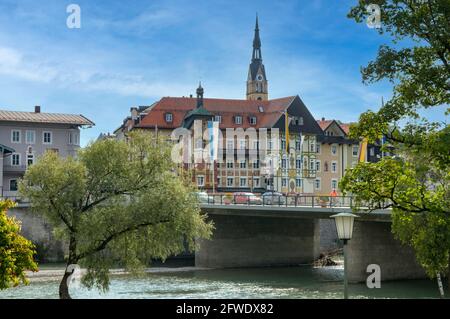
(293, 282)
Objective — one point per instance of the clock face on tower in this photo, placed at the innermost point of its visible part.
(259, 77)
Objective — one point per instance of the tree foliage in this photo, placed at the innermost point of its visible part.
(414, 182)
(117, 203)
(16, 252)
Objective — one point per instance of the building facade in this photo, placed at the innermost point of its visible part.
(27, 135)
(297, 154)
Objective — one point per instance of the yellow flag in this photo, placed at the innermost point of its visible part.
(286, 125)
(363, 150)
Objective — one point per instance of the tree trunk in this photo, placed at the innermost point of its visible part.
(448, 273)
(64, 287)
(72, 260)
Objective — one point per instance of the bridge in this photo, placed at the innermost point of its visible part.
(259, 235)
(282, 233)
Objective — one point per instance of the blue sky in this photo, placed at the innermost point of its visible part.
(130, 53)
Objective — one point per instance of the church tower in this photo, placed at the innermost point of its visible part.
(257, 82)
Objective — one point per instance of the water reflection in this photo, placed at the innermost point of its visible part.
(292, 282)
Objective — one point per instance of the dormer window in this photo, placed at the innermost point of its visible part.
(238, 120)
(169, 117)
(298, 120)
(218, 118)
(261, 109)
(252, 120)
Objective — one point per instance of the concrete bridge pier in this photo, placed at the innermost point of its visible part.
(374, 243)
(257, 241)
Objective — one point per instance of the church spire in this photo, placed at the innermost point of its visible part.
(256, 43)
(257, 88)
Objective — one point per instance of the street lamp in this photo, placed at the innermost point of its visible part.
(344, 227)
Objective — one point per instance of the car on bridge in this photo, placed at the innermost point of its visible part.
(273, 198)
(246, 198)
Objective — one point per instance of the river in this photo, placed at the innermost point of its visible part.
(291, 282)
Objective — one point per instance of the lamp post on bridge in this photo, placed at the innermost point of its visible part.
(344, 227)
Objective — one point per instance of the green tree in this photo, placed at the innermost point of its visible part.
(117, 203)
(16, 252)
(415, 182)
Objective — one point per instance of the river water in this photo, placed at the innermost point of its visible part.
(292, 282)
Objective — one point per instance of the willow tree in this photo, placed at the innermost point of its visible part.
(16, 252)
(116, 204)
(415, 183)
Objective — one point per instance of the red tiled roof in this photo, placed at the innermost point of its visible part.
(345, 127)
(324, 124)
(226, 108)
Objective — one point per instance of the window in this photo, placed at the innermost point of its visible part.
(15, 159)
(200, 180)
(298, 182)
(284, 182)
(13, 185)
(298, 120)
(255, 145)
(242, 164)
(261, 109)
(334, 184)
(238, 120)
(199, 144)
(253, 120)
(318, 148)
(283, 144)
(15, 136)
(230, 181)
(269, 144)
(256, 182)
(169, 117)
(317, 184)
(230, 144)
(325, 167)
(298, 145)
(284, 163)
(333, 149)
(219, 181)
(298, 163)
(229, 164)
(218, 118)
(372, 151)
(256, 164)
(334, 167)
(74, 138)
(30, 159)
(317, 165)
(312, 147)
(242, 144)
(47, 138)
(355, 150)
(243, 182)
(30, 137)
(312, 164)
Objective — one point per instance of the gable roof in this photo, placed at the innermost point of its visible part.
(226, 108)
(53, 118)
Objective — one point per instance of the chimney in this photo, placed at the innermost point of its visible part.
(37, 109)
(134, 112)
(323, 119)
(190, 96)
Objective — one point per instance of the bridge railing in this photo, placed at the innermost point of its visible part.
(290, 200)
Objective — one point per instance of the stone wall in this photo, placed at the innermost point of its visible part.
(36, 229)
(247, 241)
(328, 236)
(374, 243)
